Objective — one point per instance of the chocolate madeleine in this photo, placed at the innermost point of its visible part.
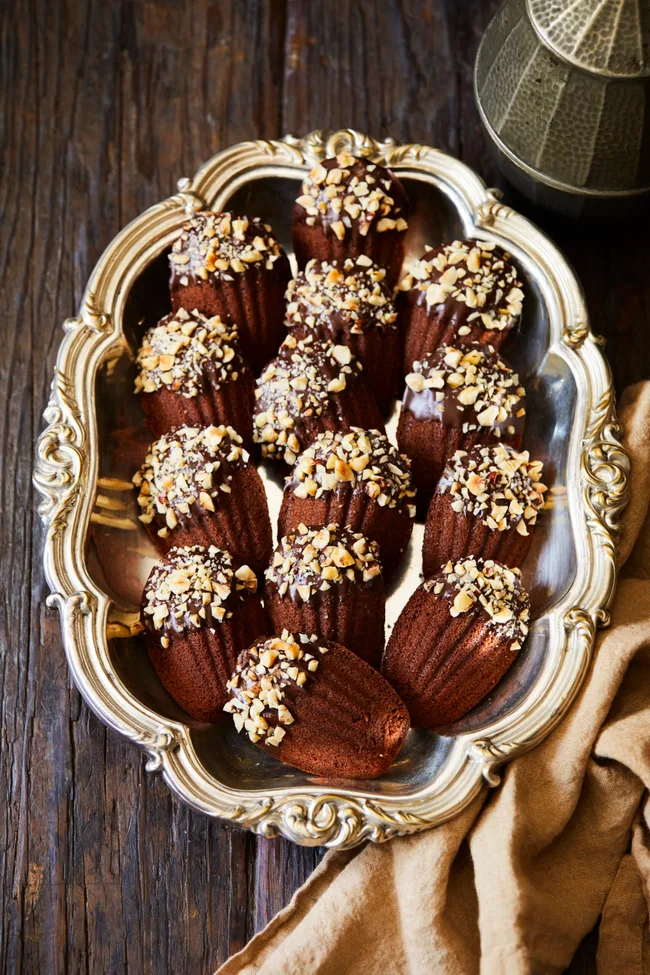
(233, 267)
(486, 504)
(311, 386)
(454, 640)
(350, 206)
(328, 581)
(197, 487)
(357, 479)
(315, 705)
(466, 291)
(200, 609)
(191, 373)
(348, 303)
(456, 399)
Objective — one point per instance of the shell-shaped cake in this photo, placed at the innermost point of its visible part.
(455, 639)
(200, 609)
(357, 479)
(456, 399)
(348, 303)
(465, 291)
(311, 386)
(328, 581)
(233, 266)
(315, 705)
(191, 373)
(486, 504)
(350, 206)
(198, 487)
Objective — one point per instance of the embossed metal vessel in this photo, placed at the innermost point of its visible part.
(97, 554)
(563, 89)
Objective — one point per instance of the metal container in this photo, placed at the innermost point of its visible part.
(563, 90)
(97, 555)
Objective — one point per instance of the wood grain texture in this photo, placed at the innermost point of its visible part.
(104, 105)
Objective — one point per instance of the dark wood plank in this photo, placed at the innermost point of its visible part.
(104, 106)
(103, 870)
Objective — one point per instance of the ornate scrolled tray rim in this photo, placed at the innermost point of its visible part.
(67, 470)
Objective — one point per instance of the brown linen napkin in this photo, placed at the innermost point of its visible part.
(515, 882)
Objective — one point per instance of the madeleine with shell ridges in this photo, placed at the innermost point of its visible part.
(198, 487)
(457, 398)
(311, 386)
(465, 291)
(355, 478)
(191, 373)
(455, 639)
(328, 580)
(233, 266)
(317, 706)
(350, 206)
(200, 609)
(486, 505)
(348, 303)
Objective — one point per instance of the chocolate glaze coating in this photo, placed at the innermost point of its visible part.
(348, 303)
(443, 665)
(357, 479)
(434, 423)
(345, 720)
(301, 595)
(197, 487)
(435, 310)
(323, 229)
(208, 383)
(310, 387)
(485, 505)
(194, 656)
(233, 267)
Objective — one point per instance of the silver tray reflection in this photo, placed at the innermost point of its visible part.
(97, 556)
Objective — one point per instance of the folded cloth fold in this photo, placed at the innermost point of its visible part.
(514, 882)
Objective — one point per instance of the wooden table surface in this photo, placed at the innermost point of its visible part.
(104, 106)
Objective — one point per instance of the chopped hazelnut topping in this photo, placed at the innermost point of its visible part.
(345, 190)
(187, 466)
(327, 296)
(176, 353)
(490, 586)
(474, 273)
(267, 678)
(223, 245)
(296, 385)
(193, 587)
(307, 560)
(483, 390)
(497, 484)
(363, 460)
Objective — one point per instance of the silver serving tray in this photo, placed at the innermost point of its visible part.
(97, 555)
